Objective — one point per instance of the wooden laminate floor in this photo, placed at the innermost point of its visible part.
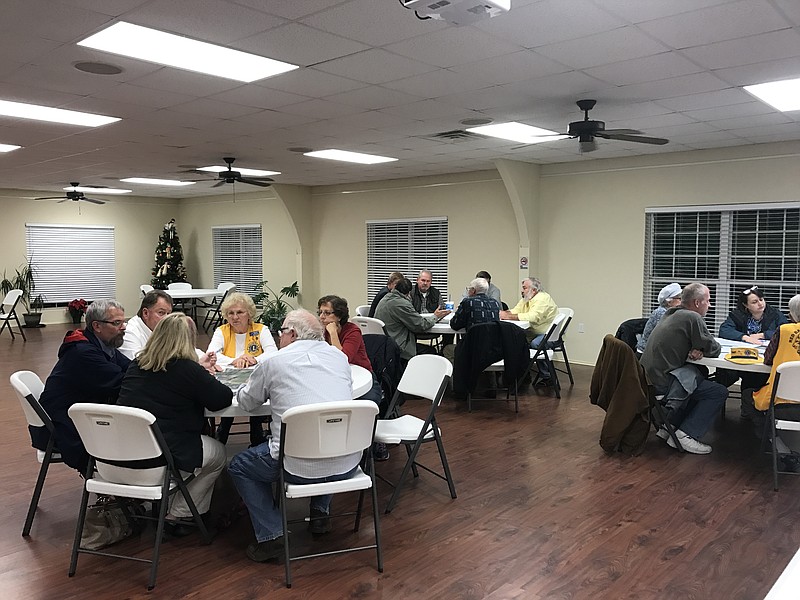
(542, 513)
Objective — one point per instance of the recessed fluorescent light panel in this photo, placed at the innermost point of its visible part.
(518, 132)
(782, 95)
(181, 52)
(250, 172)
(8, 147)
(354, 157)
(96, 190)
(149, 181)
(21, 110)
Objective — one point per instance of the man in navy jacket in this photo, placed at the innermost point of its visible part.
(89, 369)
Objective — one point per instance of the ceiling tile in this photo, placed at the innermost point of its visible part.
(434, 84)
(259, 97)
(761, 72)
(746, 109)
(312, 83)
(707, 99)
(373, 98)
(636, 12)
(648, 68)
(669, 88)
(510, 68)
(290, 9)
(753, 49)
(375, 66)
(603, 48)
(321, 109)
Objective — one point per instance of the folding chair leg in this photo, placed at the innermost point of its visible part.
(162, 516)
(774, 448)
(412, 456)
(376, 524)
(566, 363)
(37, 491)
(76, 544)
(445, 465)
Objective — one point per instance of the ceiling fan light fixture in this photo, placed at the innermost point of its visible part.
(172, 50)
(151, 181)
(241, 171)
(96, 190)
(347, 156)
(518, 132)
(22, 110)
(781, 95)
(8, 147)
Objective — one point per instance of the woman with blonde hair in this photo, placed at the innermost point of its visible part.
(166, 380)
(241, 343)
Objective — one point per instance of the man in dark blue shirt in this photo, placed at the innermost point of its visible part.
(476, 308)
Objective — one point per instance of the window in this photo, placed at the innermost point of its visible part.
(238, 256)
(407, 246)
(72, 261)
(728, 248)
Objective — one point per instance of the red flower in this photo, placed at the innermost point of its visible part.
(78, 305)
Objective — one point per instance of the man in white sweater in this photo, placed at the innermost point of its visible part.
(155, 306)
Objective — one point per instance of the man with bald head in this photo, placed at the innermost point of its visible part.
(695, 401)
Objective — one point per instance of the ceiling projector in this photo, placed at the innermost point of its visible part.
(458, 12)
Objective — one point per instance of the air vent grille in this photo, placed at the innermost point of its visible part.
(454, 135)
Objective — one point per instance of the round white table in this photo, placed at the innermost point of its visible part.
(362, 383)
(443, 326)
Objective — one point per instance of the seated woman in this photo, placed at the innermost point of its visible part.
(346, 336)
(668, 297)
(752, 321)
(166, 380)
(755, 405)
(241, 343)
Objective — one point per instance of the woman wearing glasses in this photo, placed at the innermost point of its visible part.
(241, 343)
(752, 321)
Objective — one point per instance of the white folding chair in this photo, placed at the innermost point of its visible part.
(557, 345)
(145, 288)
(213, 316)
(545, 354)
(329, 430)
(426, 376)
(362, 310)
(132, 460)
(185, 305)
(369, 325)
(785, 387)
(8, 311)
(179, 285)
(28, 388)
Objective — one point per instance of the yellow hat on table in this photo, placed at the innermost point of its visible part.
(744, 356)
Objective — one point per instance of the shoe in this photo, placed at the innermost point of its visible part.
(380, 452)
(319, 522)
(544, 383)
(688, 443)
(265, 551)
(662, 433)
(789, 463)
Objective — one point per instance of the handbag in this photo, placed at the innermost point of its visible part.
(106, 523)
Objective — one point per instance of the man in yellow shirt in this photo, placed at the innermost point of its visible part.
(538, 308)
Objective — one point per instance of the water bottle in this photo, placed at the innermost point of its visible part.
(449, 304)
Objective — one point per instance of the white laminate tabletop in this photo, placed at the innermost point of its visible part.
(443, 326)
(192, 293)
(721, 363)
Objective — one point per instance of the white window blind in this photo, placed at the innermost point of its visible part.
(408, 246)
(72, 261)
(728, 248)
(238, 256)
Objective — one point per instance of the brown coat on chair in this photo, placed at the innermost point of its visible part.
(619, 387)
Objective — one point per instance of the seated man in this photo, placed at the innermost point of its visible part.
(155, 306)
(306, 370)
(425, 297)
(493, 291)
(696, 401)
(89, 369)
(477, 307)
(394, 277)
(403, 322)
(538, 308)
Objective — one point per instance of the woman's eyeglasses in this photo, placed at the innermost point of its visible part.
(750, 290)
(324, 313)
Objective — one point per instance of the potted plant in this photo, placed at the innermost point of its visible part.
(23, 279)
(77, 308)
(33, 317)
(273, 306)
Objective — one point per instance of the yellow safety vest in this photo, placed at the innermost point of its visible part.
(252, 344)
(788, 350)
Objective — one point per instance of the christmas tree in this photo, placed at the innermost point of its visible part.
(169, 259)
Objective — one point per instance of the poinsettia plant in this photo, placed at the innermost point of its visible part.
(78, 305)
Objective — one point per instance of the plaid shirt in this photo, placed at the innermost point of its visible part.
(475, 309)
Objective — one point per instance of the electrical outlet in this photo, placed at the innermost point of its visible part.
(581, 328)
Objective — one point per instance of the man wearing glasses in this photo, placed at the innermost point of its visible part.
(89, 369)
(306, 370)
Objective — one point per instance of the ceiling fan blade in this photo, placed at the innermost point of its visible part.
(258, 182)
(51, 198)
(94, 200)
(641, 139)
(620, 132)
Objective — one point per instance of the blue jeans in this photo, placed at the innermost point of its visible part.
(697, 414)
(253, 472)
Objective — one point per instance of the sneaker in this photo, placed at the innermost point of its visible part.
(380, 452)
(789, 463)
(662, 433)
(265, 551)
(689, 444)
(319, 522)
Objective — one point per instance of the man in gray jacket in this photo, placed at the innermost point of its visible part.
(402, 321)
(682, 334)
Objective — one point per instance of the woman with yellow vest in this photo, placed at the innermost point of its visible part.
(783, 347)
(241, 343)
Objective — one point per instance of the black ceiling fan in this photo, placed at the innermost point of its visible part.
(74, 195)
(231, 176)
(587, 130)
